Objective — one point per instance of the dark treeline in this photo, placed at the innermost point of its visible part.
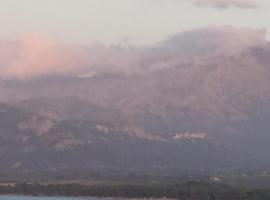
(100, 190)
(188, 191)
(206, 191)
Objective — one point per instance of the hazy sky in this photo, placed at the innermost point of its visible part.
(125, 21)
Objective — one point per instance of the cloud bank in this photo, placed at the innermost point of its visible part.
(223, 4)
(32, 56)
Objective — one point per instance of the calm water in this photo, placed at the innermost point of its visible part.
(50, 198)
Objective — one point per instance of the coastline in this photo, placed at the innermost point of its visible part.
(81, 197)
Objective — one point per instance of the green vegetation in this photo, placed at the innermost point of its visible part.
(203, 191)
(188, 191)
(101, 190)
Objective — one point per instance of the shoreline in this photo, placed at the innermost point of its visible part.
(85, 197)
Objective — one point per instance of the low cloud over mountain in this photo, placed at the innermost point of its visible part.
(210, 73)
(32, 56)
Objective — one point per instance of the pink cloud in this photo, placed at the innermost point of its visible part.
(31, 56)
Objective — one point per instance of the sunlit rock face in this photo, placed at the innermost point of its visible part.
(188, 136)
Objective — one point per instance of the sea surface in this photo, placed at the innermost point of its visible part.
(52, 198)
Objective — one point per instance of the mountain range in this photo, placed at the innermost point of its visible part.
(197, 102)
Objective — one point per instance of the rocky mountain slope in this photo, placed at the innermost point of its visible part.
(191, 103)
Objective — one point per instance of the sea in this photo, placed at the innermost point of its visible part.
(53, 198)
